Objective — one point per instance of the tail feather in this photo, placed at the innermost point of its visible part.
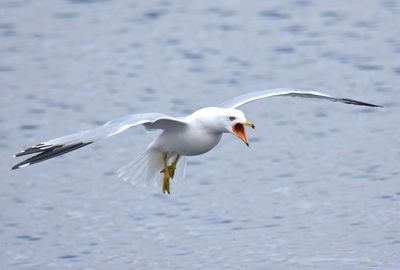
(145, 170)
(180, 172)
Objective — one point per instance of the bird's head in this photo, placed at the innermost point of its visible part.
(235, 122)
(224, 121)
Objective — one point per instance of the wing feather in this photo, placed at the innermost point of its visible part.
(289, 92)
(65, 144)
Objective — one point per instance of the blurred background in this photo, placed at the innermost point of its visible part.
(317, 189)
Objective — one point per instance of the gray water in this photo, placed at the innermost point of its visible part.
(318, 188)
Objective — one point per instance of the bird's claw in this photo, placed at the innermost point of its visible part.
(171, 170)
(165, 186)
(169, 173)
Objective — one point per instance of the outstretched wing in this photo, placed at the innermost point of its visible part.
(289, 92)
(65, 144)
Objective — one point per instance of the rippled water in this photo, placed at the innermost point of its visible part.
(318, 189)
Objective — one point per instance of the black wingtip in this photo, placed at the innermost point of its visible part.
(41, 147)
(360, 103)
(20, 165)
(48, 153)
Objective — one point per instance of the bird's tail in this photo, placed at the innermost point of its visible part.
(145, 170)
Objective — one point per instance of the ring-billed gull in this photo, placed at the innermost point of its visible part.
(191, 135)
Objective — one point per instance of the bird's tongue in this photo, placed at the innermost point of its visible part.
(239, 131)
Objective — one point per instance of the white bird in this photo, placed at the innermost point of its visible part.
(191, 135)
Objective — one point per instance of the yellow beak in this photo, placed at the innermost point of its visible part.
(250, 124)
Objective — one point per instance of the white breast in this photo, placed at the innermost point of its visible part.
(190, 141)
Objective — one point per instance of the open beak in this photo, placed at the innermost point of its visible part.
(239, 131)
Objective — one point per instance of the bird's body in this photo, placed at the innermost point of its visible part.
(198, 129)
(192, 135)
(180, 142)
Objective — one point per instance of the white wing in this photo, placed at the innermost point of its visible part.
(65, 144)
(290, 92)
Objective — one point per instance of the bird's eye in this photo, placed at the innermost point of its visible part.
(232, 118)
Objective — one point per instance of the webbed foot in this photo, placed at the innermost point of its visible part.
(166, 186)
(171, 170)
(168, 171)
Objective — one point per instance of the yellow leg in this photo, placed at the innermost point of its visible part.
(165, 186)
(172, 167)
(169, 171)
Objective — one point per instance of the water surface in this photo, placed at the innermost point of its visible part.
(318, 189)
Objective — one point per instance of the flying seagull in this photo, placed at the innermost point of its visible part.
(190, 135)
